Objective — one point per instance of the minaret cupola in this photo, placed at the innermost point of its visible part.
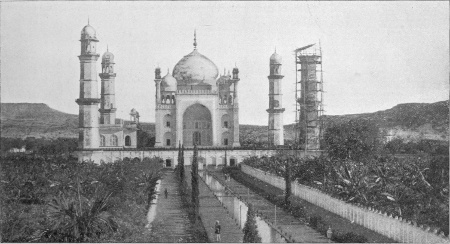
(275, 64)
(235, 73)
(158, 73)
(88, 40)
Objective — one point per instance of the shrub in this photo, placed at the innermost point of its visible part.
(348, 237)
(251, 234)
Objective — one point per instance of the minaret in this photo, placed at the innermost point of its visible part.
(235, 79)
(89, 136)
(158, 112)
(108, 104)
(275, 110)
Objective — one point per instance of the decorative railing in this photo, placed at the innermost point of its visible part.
(165, 106)
(197, 92)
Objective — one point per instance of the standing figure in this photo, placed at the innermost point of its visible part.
(217, 231)
(165, 192)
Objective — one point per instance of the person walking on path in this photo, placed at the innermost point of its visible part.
(217, 231)
(165, 192)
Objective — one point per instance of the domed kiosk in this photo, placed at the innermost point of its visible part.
(193, 106)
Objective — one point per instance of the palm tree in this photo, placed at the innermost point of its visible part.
(83, 223)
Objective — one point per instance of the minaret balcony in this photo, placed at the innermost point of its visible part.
(107, 75)
(273, 76)
(275, 110)
(87, 101)
(107, 110)
(89, 56)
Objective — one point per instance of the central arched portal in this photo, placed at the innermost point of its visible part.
(197, 126)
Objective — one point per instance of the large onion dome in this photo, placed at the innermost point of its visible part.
(195, 69)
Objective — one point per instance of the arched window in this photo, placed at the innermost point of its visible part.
(102, 140)
(167, 120)
(230, 99)
(197, 138)
(225, 121)
(168, 99)
(167, 139)
(114, 140)
(173, 99)
(127, 141)
(225, 139)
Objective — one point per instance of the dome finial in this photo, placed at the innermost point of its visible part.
(168, 71)
(107, 48)
(88, 19)
(195, 38)
(275, 49)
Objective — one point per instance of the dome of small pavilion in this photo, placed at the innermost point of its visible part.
(169, 83)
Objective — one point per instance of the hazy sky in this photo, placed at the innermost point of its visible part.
(375, 54)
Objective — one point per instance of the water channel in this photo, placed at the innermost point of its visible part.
(238, 210)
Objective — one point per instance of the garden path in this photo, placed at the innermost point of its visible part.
(171, 223)
(295, 229)
(211, 210)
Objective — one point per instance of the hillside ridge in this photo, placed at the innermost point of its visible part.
(412, 121)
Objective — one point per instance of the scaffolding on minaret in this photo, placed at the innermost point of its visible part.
(308, 97)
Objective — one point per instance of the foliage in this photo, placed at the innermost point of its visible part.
(144, 139)
(86, 223)
(37, 188)
(414, 188)
(43, 147)
(288, 181)
(355, 140)
(348, 237)
(198, 230)
(180, 168)
(194, 181)
(400, 146)
(250, 230)
(316, 222)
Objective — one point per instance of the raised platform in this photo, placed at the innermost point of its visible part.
(206, 156)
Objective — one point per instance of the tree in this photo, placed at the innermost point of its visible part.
(182, 164)
(394, 146)
(179, 158)
(355, 139)
(194, 180)
(76, 220)
(251, 234)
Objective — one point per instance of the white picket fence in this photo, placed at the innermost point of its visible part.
(395, 228)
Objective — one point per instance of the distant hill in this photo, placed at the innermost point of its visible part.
(36, 120)
(411, 121)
